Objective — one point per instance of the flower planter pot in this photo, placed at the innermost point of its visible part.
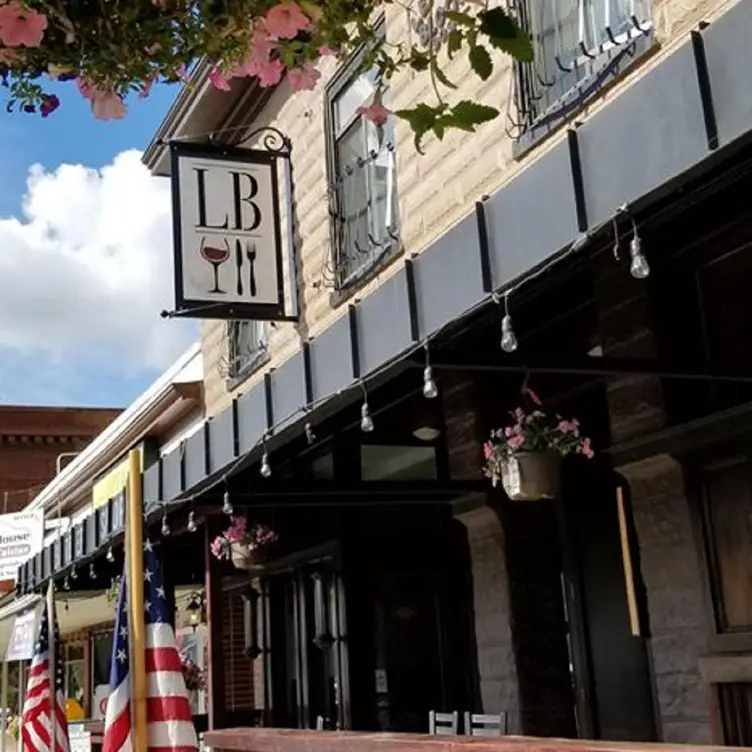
(531, 476)
(245, 559)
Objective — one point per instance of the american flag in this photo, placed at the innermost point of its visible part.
(36, 720)
(169, 715)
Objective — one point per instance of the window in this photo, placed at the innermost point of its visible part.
(574, 40)
(363, 190)
(101, 654)
(75, 672)
(247, 347)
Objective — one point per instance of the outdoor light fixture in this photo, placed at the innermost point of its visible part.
(310, 435)
(92, 571)
(250, 622)
(508, 338)
(192, 527)
(638, 267)
(110, 555)
(195, 609)
(430, 390)
(226, 504)
(66, 583)
(266, 469)
(165, 526)
(427, 433)
(73, 573)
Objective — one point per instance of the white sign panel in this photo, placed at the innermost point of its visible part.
(226, 221)
(79, 737)
(23, 637)
(99, 706)
(21, 537)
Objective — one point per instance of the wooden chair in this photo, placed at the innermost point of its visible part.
(443, 723)
(480, 724)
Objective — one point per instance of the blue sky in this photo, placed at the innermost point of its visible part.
(84, 256)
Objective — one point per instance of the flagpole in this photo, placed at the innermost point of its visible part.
(135, 584)
(52, 648)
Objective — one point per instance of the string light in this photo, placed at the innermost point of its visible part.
(66, 583)
(310, 435)
(430, 390)
(266, 468)
(192, 527)
(165, 526)
(508, 338)
(73, 573)
(227, 504)
(92, 571)
(366, 421)
(110, 555)
(638, 266)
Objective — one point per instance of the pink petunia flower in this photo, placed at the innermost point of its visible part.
(107, 105)
(516, 441)
(218, 80)
(376, 113)
(304, 78)
(587, 449)
(86, 89)
(488, 450)
(21, 26)
(286, 20)
(270, 74)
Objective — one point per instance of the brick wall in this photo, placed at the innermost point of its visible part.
(436, 189)
(669, 558)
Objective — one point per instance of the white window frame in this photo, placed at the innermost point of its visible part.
(243, 363)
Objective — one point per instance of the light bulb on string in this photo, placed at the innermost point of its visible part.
(165, 526)
(430, 390)
(638, 266)
(110, 555)
(227, 504)
(66, 606)
(92, 571)
(366, 421)
(73, 573)
(266, 468)
(192, 527)
(66, 583)
(310, 435)
(508, 338)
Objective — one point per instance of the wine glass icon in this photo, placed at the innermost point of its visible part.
(216, 256)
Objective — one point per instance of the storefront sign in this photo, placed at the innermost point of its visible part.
(79, 737)
(21, 537)
(226, 233)
(23, 637)
(114, 481)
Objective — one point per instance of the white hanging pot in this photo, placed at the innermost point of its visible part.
(531, 476)
(243, 558)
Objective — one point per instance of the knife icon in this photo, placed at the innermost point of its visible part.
(239, 264)
(250, 252)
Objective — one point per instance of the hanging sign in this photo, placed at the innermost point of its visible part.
(79, 737)
(23, 637)
(21, 537)
(226, 232)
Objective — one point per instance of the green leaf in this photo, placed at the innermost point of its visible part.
(505, 34)
(469, 114)
(422, 119)
(463, 19)
(420, 62)
(480, 61)
(454, 42)
(441, 75)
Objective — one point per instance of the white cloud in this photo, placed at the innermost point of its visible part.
(86, 270)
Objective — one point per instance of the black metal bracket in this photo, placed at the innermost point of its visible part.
(706, 93)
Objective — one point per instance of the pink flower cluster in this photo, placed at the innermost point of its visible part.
(283, 22)
(194, 677)
(238, 532)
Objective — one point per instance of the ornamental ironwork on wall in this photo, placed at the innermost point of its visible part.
(430, 23)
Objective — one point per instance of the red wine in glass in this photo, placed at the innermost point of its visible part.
(216, 256)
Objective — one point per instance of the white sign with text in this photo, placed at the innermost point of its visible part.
(21, 537)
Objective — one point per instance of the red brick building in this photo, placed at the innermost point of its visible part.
(33, 440)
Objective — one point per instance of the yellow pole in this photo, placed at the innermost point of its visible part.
(135, 581)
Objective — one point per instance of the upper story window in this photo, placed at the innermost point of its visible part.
(247, 347)
(578, 46)
(363, 190)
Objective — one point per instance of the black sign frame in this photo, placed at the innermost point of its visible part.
(276, 146)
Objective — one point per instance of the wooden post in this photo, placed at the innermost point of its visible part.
(626, 553)
(135, 583)
(213, 584)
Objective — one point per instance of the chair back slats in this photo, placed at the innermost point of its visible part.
(483, 724)
(444, 723)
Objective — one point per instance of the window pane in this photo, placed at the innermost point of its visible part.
(100, 658)
(729, 507)
(358, 93)
(247, 340)
(391, 462)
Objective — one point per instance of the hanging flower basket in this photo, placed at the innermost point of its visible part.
(246, 547)
(525, 456)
